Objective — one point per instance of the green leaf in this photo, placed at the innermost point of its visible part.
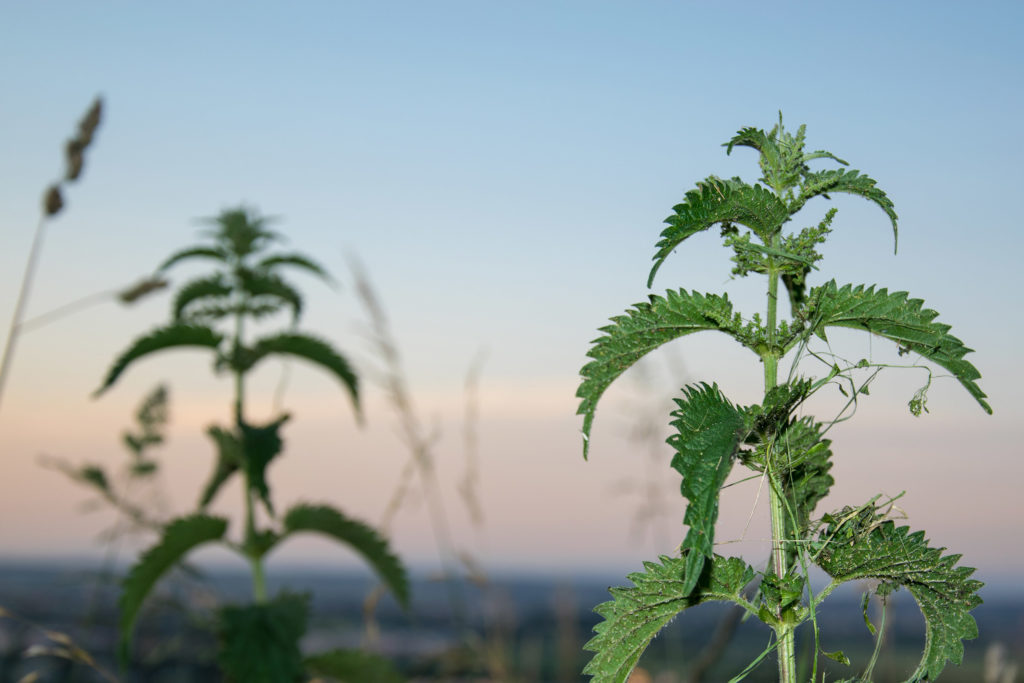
(313, 350)
(259, 543)
(865, 602)
(264, 285)
(635, 614)
(851, 182)
(642, 329)
(212, 287)
(779, 403)
(777, 253)
(172, 336)
(144, 468)
(710, 430)
(715, 201)
(896, 317)
(298, 260)
(260, 445)
(194, 252)
(179, 538)
(353, 666)
(152, 413)
(759, 140)
(783, 594)
(241, 232)
(805, 477)
(94, 476)
(361, 537)
(229, 460)
(853, 550)
(260, 643)
(822, 154)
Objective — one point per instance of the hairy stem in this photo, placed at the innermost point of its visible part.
(878, 643)
(784, 630)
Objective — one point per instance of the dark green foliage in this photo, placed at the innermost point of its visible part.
(635, 614)
(215, 253)
(180, 537)
(720, 201)
(249, 449)
(788, 450)
(774, 416)
(247, 283)
(765, 144)
(709, 431)
(201, 289)
(851, 182)
(751, 257)
(362, 538)
(642, 329)
(782, 158)
(297, 260)
(160, 339)
(260, 643)
(805, 459)
(144, 468)
(804, 246)
(353, 666)
(229, 460)
(151, 418)
(862, 546)
(95, 476)
(310, 349)
(260, 445)
(897, 317)
(241, 232)
(271, 289)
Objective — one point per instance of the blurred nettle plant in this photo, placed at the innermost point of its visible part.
(785, 448)
(258, 642)
(133, 492)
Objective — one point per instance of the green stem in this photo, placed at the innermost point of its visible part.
(784, 630)
(825, 592)
(239, 378)
(259, 584)
(878, 644)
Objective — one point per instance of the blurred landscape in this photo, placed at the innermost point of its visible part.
(531, 629)
(502, 171)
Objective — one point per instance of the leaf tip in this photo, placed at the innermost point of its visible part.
(654, 271)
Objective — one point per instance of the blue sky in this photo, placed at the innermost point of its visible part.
(503, 170)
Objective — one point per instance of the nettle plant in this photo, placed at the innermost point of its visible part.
(259, 641)
(774, 439)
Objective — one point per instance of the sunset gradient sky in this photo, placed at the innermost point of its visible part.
(502, 170)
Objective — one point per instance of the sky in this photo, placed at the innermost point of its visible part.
(502, 171)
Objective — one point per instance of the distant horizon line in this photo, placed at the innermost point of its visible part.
(1001, 586)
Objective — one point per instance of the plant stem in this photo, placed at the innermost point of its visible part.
(259, 584)
(784, 631)
(239, 378)
(19, 308)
